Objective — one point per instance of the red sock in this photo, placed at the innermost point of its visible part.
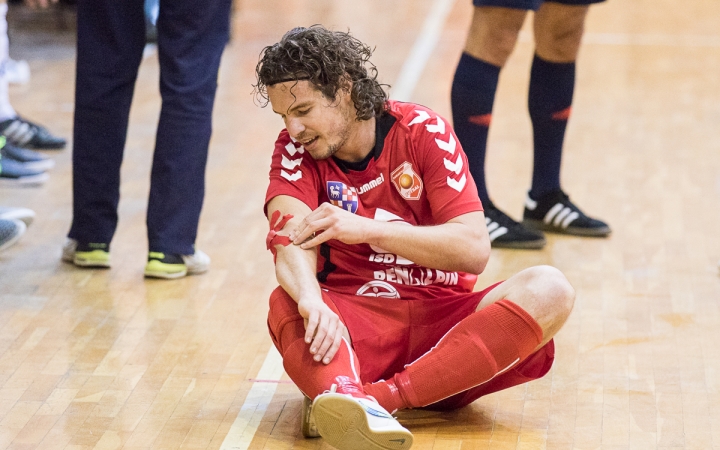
(313, 378)
(481, 346)
(287, 330)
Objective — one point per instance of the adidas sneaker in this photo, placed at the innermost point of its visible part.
(23, 133)
(86, 254)
(352, 423)
(171, 266)
(506, 233)
(554, 212)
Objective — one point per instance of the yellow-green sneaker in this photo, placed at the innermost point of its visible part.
(171, 266)
(94, 254)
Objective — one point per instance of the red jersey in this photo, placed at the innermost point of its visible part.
(417, 174)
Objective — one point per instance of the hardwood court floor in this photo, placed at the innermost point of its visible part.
(105, 359)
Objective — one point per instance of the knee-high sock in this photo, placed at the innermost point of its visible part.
(483, 345)
(310, 376)
(6, 109)
(472, 97)
(549, 103)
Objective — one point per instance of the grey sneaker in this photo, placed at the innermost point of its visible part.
(24, 214)
(10, 232)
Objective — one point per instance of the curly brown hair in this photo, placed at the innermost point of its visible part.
(328, 60)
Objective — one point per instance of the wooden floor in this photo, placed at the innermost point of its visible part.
(105, 359)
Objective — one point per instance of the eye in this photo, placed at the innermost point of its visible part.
(302, 112)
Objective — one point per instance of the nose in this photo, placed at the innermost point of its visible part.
(294, 126)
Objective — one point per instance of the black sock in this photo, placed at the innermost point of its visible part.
(473, 93)
(549, 103)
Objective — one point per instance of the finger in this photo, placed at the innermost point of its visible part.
(327, 342)
(319, 238)
(320, 334)
(337, 342)
(312, 322)
(311, 229)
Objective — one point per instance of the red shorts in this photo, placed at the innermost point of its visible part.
(388, 334)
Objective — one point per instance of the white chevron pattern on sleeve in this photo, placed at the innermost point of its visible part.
(454, 166)
(290, 164)
(439, 126)
(422, 116)
(458, 185)
(291, 177)
(448, 146)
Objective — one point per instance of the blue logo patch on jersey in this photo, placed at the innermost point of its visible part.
(342, 196)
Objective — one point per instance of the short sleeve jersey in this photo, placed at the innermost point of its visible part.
(417, 175)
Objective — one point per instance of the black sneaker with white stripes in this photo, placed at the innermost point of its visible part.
(554, 212)
(506, 233)
(23, 133)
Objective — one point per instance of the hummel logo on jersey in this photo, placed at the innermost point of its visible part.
(372, 184)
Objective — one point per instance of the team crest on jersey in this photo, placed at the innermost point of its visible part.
(343, 196)
(407, 182)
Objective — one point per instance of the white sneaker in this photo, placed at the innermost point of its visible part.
(17, 72)
(307, 426)
(351, 423)
(24, 214)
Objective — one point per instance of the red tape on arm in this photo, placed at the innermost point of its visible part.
(273, 238)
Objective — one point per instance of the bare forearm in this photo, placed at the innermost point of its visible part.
(450, 246)
(295, 271)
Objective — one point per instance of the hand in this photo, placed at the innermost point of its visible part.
(330, 222)
(34, 4)
(323, 329)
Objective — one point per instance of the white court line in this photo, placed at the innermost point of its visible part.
(245, 426)
(246, 423)
(424, 45)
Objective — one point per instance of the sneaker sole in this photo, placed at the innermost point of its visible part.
(520, 245)
(89, 263)
(574, 231)
(343, 424)
(32, 180)
(307, 427)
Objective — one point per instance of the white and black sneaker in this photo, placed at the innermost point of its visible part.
(24, 133)
(554, 212)
(506, 233)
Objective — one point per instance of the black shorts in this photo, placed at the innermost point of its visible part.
(530, 4)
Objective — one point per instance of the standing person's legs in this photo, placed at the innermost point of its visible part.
(491, 39)
(558, 32)
(559, 28)
(110, 41)
(191, 39)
